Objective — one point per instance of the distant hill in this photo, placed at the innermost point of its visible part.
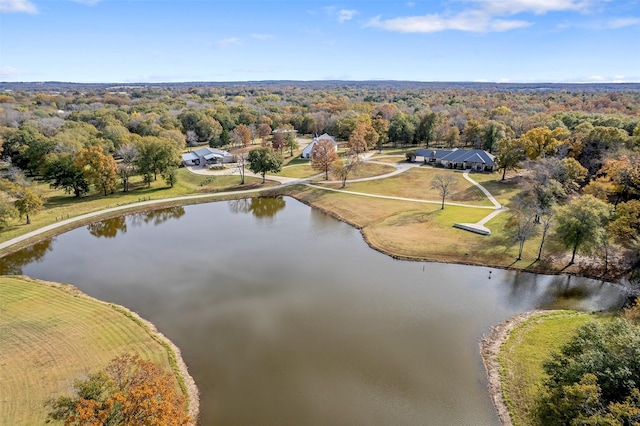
(57, 86)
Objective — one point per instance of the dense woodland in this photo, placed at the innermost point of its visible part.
(576, 148)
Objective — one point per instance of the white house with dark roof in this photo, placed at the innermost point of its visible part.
(206, 156)
(474, 159)
(306, 152)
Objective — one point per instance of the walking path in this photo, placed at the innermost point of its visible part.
(285, 181)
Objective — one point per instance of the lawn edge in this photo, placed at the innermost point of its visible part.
(179, 367)
(490, 346)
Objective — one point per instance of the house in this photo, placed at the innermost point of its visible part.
(306, 152)
(474, 159)
(206, 156)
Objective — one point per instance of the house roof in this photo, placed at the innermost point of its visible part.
(203, 152)
(433, 153)
(189, 156)
(325, 136)
(470, 156)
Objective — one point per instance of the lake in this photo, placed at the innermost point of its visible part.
(286, 317)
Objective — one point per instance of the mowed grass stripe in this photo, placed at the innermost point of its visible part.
(51, 336)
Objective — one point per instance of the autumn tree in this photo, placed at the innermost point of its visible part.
(581, 222)
(99, 169)
(342, 169)
(542, 141)
(264, 130)
(129, 391)
(28, 203)
(625, 226)
(510, 155)
(493, 132)
(323, 155)
(241, 135)
(445, 184)
(358, 138)
(264, 160)
(624, 174)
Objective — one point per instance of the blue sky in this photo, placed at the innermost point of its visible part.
(213, 40)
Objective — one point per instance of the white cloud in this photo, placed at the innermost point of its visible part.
(538, 7)
(472, 21)
(87, 2)
(19, 6)
(224, 43)
(346, 15)
(622, 22)
(8, 71)
(481, 16)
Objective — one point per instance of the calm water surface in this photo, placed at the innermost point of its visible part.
(286, 317)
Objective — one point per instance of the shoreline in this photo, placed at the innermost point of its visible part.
(178, 366)
(490, 346)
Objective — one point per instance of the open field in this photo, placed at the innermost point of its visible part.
(521, 358)
(416, 183)
(52, 335)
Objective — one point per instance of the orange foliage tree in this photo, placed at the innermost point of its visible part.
(129, 391)
(323, 155)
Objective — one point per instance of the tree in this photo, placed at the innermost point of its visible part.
(241, 165)
(445, 184)
(542, 141)
(155, 155)
(129, 391)
(358, 138)
(323, 155)
(521, 225)
(128, 154)
(99, 169)
(291, 142)
(493, 132)
(401, 129)
(264, 130)
(28, 203)
(62, 172)
(594, 376)
(624, 173)
(263, 160)
(426, 128)
(343, 169)
(625, 226)
(241, 135)
(7, 210)
(510, 154)
(581, 223)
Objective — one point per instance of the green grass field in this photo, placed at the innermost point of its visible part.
(521, 358)
(52, 335)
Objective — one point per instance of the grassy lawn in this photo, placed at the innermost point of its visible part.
(50, 337)
(416, 183)
(522, 355)
(502, 190)
(301, 170)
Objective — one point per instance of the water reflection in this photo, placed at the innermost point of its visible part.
(156, 217)
(108, 228)
(263, 208)
(14, 263)
(332, 333)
